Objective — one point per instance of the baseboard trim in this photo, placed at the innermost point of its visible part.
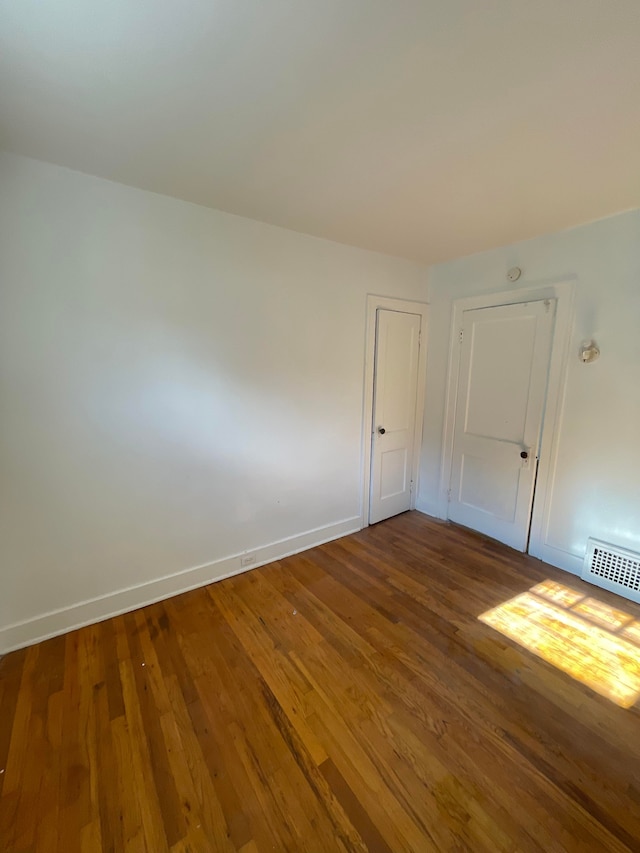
(564, 560)
(38, 628)
(428, 508)
(433, 508)
(560, 559)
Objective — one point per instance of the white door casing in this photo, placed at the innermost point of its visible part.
(395, 400)
(501, 388)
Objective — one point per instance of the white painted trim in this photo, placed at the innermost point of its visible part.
(65, 619)
(551, 426)
(561, 559)
(549, 553)
(563, 293)
(424, 507)
(407, 306)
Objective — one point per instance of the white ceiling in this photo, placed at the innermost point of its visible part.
(428, 129)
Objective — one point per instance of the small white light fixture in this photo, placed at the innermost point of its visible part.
(588, 352)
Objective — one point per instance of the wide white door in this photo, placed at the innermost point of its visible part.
(502, 385)
(394, 412)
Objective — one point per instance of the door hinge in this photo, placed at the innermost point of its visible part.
(461, 335)
(448, 495)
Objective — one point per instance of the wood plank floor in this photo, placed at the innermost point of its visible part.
(344, 699)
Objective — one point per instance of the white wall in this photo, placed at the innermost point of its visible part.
(596, 488)
(177, 385)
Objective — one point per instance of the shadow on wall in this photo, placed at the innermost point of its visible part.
(154, 449)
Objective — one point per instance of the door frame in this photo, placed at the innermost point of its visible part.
(563, 293)
(406, 306)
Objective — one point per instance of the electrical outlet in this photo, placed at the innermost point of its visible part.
(248, 560)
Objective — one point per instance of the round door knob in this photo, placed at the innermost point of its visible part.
(524, 454)
(381, 430)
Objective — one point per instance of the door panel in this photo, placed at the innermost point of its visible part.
(394, 411)
(500, 499)
(393, 477)
(498, 386)
(502, 384)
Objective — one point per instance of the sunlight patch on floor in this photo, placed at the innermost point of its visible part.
(596, 644)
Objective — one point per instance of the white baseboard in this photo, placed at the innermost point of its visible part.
(431, 507)
(427, 507)
(60, 621)
(548, 554)
(560, 559)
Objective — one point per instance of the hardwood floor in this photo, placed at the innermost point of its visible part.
(347, 698)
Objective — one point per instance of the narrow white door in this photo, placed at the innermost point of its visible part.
(394, 413)
(502, 385)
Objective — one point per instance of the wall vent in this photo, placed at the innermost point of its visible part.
(612, 568)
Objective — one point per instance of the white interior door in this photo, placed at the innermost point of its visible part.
(394, 413)
(502, 383)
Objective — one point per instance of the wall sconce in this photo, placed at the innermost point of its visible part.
(588, 352)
